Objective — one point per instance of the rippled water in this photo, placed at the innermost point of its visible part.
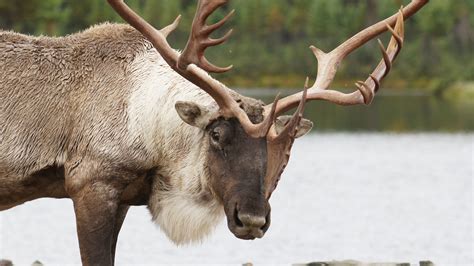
(369, 197)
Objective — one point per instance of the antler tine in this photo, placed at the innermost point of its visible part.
(279, 146)
(211, 28)
(328, 63)
(170, 28)
(291, 127)
(200, 40)
(372, 84)
(265, 126)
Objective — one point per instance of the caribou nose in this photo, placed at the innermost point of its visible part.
(252, 221)
(250, 226)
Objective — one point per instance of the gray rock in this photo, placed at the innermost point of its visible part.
(358, 263)
(6, 263)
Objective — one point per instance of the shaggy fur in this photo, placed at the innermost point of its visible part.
(101, 118)
(102, 101)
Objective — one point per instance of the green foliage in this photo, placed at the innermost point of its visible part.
(271, 37)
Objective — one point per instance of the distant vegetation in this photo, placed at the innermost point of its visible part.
(270, 45)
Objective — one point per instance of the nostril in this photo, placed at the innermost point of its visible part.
(237, 221)
(252, 220)
(267, 223)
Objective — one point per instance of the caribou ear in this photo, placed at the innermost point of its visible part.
(304, 127)
(193, 114)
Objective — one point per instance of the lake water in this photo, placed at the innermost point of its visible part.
(410, 111)
(363, 196)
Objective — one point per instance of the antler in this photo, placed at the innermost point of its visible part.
(328, 64)
(279, 146)
(192, 64)
(199, 38)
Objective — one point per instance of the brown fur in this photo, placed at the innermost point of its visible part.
(64, 131)
(57, 101)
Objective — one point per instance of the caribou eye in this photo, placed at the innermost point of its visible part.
(220, 135)
(215, 135)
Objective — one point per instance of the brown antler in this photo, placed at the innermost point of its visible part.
(279, 146)
(199, 38)
(192, 64)
(328, 64)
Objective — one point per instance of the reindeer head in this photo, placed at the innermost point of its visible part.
(237, 164)
(247, 155)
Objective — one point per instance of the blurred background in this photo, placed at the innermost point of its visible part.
(431, 87)
(353, 189)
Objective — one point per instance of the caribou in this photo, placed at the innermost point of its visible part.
(113, 117)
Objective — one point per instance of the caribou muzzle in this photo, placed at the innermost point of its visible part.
(249, 223)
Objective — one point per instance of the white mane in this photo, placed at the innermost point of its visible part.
(176, 149)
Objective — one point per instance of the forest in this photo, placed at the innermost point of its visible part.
(269, 47)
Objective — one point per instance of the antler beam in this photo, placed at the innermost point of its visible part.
(192, 64)
(328, 63)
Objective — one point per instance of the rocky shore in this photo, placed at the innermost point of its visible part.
(327, 263)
